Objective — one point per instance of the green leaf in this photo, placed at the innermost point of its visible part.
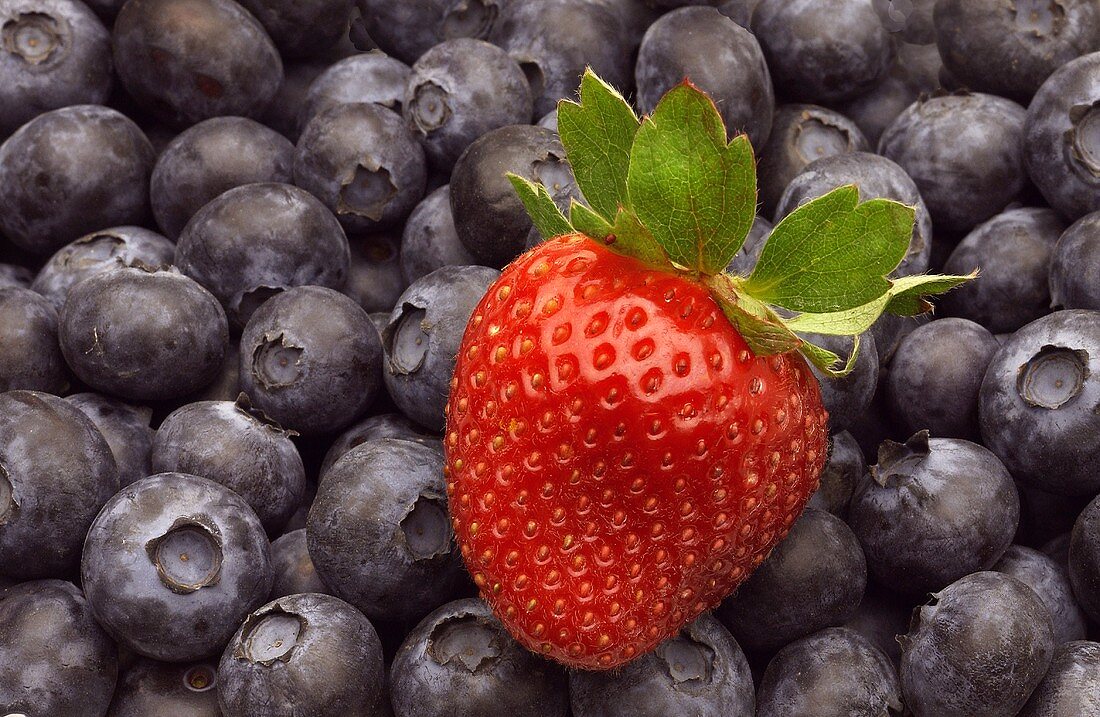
(762, 329)
(833, 253)
(907, 293)
(627, 236)
(826, 360)
(597, 134)
(546, 216)
(693, 191)
(841, 323)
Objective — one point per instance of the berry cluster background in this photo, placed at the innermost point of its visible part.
(240, 246)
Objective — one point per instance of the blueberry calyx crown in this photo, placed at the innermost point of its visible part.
(672, 191)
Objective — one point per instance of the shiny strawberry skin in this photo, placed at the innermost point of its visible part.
(618, 460)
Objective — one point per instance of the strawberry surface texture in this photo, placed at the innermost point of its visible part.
(618, 459)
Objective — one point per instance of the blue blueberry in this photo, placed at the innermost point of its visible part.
(814, 578)
(173, 564)
(56, 472)
(302, 28)
(54, 53)
(408, 29)
(239, 447)
(144, 334)
(30, 357)
(832, 672)
(149, 687)
(880, 618)
(13, 276)
(430, 240)
(849, 397)
(720, 57)
(1062, 138)
(1084, 559)
(1075, 266)
(977, 648)
(386, 425)
(54, 659)
(840, 476)
(293, 568)
(189, 60)
(254, 241)
(379, 533)
(1071, 685)
(369, 77)
(97, 253)
(932, 511)
(1036, 403)
(1013, 250)
(1050, 582)
(461, 661)
(702, 671)
(125, 427)
(307, 654)
(961, 145)
(423, 336)
(210, 158)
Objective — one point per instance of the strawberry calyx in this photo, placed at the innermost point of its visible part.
(672, 191)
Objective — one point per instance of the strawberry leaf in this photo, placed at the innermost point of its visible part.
(625, 236)
(907, 293)
(826, 360)
(548, 219)
(833, 253)
(693, 191)
(841, 323)
(762, 329)
(597, 134)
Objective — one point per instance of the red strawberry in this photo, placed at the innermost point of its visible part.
(630, 431)
(618, 459)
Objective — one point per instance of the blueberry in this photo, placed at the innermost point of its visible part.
(1084, 559)
(56, 472)
(379, 534)
(800, 135)
(54, 53)
(376, 279)
(1057, 549)
(148, 687)
(126, 429)
(254, 241)
(977, 649)
(740, 11)
(189, 60)
(702, 672)
(911, 19)
(309, 360)
(1062, 138)
(935, 377)
(488, 215)
(423, 337)
(97, 253)
(932, 511)
(1036, 403)
(1044, 516)
(282, 112)
(880, 618)
(554, 40)
(30, 357)
(1071, 685)
(294, 570)
(386, 425)
(1050, 582)
(364, 163)
(69, 172)
(143, 334)
(832, 672)
(430, 240)
(838, 480)
(173, 564)
(408, 29)
(239, 447)
(226, 385)
(849, 397)
(1075, 266)
(814, 578)
(13, 276)
(459, 90)
(54, 659)
(1010, 49)
(875, 110)
(461, 661)
(962, 145)
(720, 57)
(877, 178)
(302, 654)
(302, 28)
(823, 51)
(370, 77)
(635, 16)
(212, 157)
(1014, 251)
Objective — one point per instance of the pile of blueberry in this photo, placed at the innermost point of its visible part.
(241, 242)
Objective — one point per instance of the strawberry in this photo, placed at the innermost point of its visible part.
(629, 430)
